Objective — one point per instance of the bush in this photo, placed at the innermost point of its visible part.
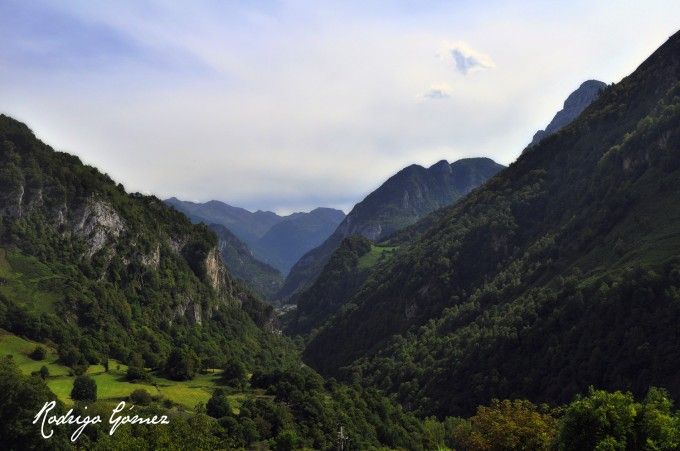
(218, 405)
(234, 374)
(44, 372)
(516, 424)
(38, 353)
(71, 356)
(286, 441)
(181, 364)
(604, 420)
(137, 374)
(140, 397)
(84, 389)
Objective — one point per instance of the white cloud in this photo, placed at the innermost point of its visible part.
(465, 59)
(439, 92)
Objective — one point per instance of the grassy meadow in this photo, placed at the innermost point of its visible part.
(111, 385)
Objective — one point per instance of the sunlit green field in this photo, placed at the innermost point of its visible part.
(20, 348)
(111, 385)
(376, 254)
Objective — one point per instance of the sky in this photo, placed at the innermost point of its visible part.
(291, 105)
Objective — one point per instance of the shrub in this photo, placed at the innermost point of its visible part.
(84, 389)
(516, 424)
(136, 373)
(218, 405)
(181, 364)
(140, 397)
(38, 353)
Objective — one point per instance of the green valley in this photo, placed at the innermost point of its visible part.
(461, 306)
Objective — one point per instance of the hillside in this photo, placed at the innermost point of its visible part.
(110, 273)
(404, 198)
(260, 277)
(345, 271)
(559, 273)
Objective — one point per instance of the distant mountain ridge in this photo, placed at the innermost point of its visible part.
(402, 200)
(577, 101)
(262, 278)
(278, 241)
(248, 226)
(288, 240)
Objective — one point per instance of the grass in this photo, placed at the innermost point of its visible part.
(111, 385)
(236, 401)
(372, 257)
(20, 349)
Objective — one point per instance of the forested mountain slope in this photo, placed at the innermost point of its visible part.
(111, 273)
(348, 267)
(404, 198)
(560, 272)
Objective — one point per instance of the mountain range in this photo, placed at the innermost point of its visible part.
(400, 201)
(559, 273)
(260, 247)
(461, 306)
(246, 225)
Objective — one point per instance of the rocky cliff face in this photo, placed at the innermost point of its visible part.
(98, 224)
(577, 101)
(262, 278)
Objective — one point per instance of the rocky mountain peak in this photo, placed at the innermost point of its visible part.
(576, 102)
(441, 166)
